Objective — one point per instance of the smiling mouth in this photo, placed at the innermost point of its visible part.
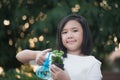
(71, 42)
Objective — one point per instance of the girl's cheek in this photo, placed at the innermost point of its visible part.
(63, 38)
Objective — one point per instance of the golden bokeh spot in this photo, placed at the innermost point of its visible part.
(18, 76)
(23, 28)
(115, 39)
(1, 70)
(28, 74)
(10, 42)
(76, 8)
(33, 65)
(31, 20)
(17, 70)
(30, 40)
(35, 39)
(26, 25)
(41, 38)
(24, 17)
(101, 4)
(32, 44)
(109, 42)
(19, 49)
(104, 4)
(6, 22)
(41, 16)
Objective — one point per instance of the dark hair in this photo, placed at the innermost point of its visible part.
(86, 46)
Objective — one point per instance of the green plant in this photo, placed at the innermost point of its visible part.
(57, 58)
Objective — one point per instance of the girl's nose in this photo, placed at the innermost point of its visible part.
(69, 35)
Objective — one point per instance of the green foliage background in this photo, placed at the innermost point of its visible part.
(30, 19)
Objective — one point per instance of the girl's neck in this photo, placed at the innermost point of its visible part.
(74, 52)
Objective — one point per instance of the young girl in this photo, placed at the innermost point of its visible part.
(74, 38)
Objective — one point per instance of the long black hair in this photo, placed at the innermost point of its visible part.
(86, 46)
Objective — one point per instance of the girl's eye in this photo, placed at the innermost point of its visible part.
(75, 30)
(64, 32)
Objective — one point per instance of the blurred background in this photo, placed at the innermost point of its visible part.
(32, 24)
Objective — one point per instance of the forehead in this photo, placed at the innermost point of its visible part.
(72, 24)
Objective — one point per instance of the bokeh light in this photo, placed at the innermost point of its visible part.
(10, 42)
(24, 17)
(6, 22)
(1, 70)
(76, 8)
(41, 38)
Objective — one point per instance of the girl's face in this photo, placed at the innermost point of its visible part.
(72, 36)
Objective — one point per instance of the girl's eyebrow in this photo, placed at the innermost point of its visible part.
(75, 27)
(72, 28)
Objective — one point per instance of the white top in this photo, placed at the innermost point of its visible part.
(82, 67)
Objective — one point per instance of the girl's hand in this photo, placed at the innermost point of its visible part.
(58, 74)
(40, 57)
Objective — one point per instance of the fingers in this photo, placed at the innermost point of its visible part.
(53, 75)
(44, 52)
(57, 73)
(40, 58)
(54, 68)
(54, 72)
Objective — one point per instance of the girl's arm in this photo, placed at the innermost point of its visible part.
(27, 55)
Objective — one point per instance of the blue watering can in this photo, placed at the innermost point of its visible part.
(43, 71)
